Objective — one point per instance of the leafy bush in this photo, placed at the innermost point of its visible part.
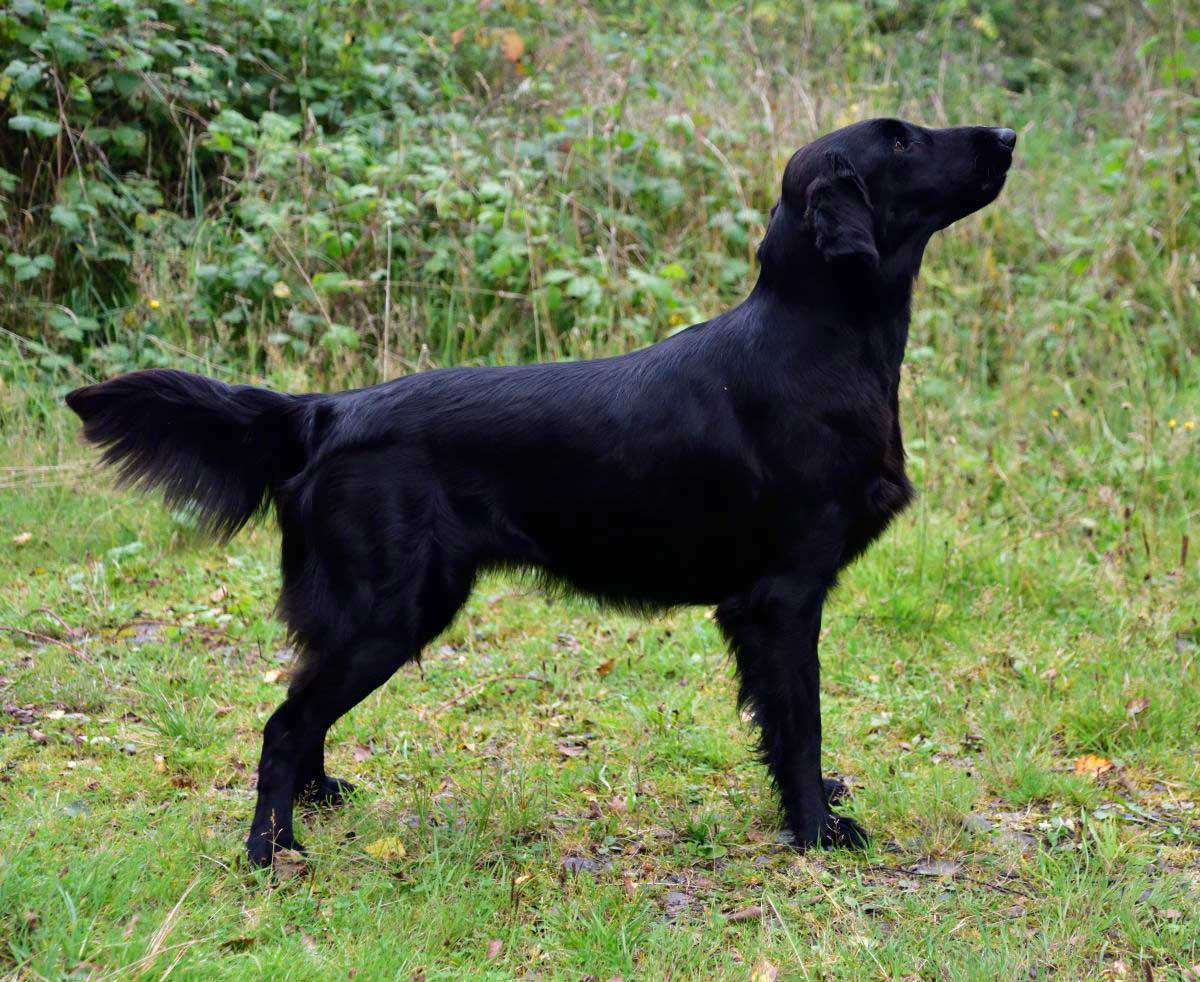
(364, 188)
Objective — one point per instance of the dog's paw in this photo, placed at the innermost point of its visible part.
(834, 790)
(262, 847)
(328, 791)
(840, 832)
(830, 831)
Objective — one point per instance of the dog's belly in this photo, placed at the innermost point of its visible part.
(695, 553)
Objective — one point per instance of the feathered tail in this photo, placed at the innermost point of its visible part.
(221, 449)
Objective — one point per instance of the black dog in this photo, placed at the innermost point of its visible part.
(742, 463)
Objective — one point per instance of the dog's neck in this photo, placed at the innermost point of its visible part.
(875, 304)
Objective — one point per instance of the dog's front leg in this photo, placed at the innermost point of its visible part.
(773, 629)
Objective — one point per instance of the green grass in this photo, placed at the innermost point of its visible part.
(969, 661)
(563, 791)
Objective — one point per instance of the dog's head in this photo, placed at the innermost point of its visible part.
(873, 193)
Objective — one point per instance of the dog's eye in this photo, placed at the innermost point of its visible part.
(901, 146)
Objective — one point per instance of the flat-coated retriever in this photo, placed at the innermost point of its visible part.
(742, 462)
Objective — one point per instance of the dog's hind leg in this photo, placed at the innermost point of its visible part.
(332, 683)
(295, 730)
(773, 629)
(314, 786)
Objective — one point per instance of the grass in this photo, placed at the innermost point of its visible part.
(569, 791)
(1010, 676)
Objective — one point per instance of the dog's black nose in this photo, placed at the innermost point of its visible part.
(1007, 137)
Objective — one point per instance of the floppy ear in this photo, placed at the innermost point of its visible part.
(839, 212)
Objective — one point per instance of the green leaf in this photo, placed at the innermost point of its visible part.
(339, 337)
(129, 138)
(61, 215)
(582, 286)
(37, 125)
(335, 282)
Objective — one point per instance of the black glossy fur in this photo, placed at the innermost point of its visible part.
(740, 463)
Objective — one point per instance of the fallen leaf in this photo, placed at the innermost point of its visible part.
(495, 946)
(676, 902)
(361, 753)
(571, 750)
(605, 666)
(160, 763)
(1022, 840)
(289, 864)
(934, 867)
(745, 914)
(457, 36)
(217, 595)
(238, 944)
(763, 971)
(1135, 706)
(21, 538)
(628, 886)
(273, 675)
(1172, 914)
(574, 864)
(512, 46)
(142, 633)
(37, 736)
(1089, 765)
(974, 822)
(386, 849)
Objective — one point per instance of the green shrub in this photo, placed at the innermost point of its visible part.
(361, 189)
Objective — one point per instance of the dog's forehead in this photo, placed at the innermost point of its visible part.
(860, 136)
(870, 130)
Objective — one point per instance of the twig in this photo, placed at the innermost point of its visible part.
(308, 282)
(46, 639)
(471, 690)
(954, 876)
(71, 632)
(178, 625)
(387, 307)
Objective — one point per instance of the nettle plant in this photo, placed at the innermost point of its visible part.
(128, 128)
(262, 183)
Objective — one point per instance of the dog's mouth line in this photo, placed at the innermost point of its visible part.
(996, 175)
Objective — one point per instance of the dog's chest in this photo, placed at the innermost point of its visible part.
(884, 493)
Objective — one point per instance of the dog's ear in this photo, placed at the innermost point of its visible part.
(838, 210)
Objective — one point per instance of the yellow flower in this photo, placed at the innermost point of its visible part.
(1171, 423)
(153, 304)
(1190, 425)
(1054, 413)
(281, 289)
